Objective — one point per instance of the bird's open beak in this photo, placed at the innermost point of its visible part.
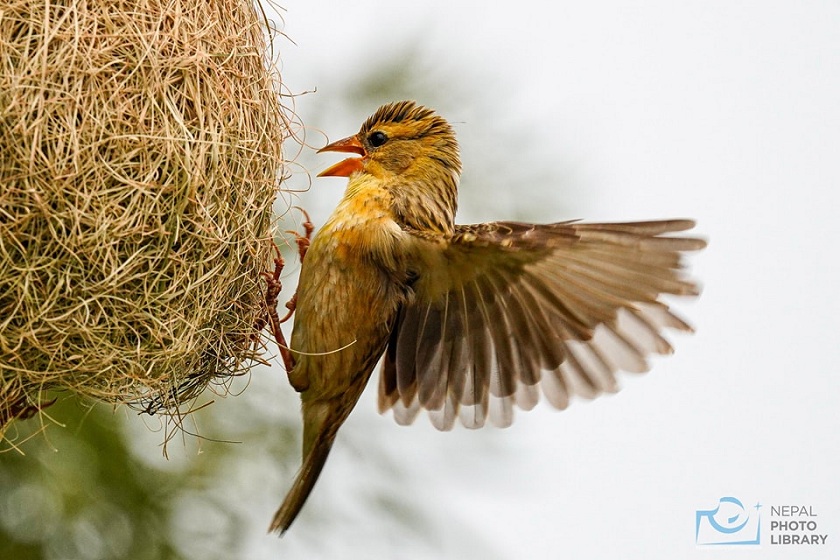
(345, 167)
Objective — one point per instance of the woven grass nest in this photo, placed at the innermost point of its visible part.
(140, 154)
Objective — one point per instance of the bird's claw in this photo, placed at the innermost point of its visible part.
(303, 241)
(273, 288)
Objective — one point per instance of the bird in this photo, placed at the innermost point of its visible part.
(469, 321)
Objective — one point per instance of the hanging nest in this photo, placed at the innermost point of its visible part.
(140, 154)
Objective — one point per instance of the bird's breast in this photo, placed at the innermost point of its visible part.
(351, 284)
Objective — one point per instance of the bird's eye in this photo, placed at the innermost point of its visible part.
(377, 138)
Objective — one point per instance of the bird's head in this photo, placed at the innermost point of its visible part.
(414, 153)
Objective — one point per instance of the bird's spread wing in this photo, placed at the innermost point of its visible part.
(504, 309)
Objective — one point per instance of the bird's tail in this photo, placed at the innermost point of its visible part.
(318, 435)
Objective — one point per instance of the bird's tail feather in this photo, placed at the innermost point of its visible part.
(315, 456)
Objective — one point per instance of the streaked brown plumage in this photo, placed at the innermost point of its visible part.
(472, 320)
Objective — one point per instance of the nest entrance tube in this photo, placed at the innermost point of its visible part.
(140, 155)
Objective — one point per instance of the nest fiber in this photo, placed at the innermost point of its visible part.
(140, 154)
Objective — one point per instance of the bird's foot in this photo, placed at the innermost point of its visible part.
(270, 317)
(304, 240)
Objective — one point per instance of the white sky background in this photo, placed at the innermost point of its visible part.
(727, 112)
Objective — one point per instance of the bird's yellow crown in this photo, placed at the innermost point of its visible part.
(412, 153)
(406, 120)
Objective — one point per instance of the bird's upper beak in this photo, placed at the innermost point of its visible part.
(345, 167)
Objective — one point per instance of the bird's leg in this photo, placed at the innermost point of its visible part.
(272, 290)
(303, 242)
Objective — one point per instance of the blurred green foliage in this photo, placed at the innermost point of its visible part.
(86, 482)
(77, 492)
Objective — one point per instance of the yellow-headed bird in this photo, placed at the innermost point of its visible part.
(473, 319)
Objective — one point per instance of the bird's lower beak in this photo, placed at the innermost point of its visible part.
(345, 167)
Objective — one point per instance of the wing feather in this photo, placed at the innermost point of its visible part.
(459, 351)
(405, 354)
(509, 311)
(429, 346)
